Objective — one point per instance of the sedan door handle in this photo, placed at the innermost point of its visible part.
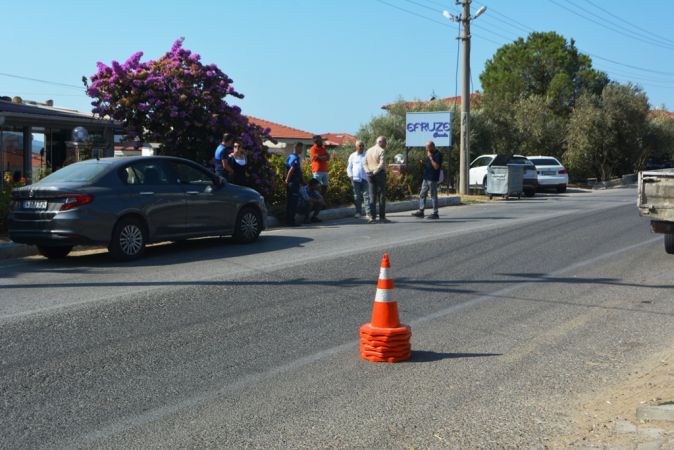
(192, 192)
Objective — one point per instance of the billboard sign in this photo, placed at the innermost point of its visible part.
(421, 127)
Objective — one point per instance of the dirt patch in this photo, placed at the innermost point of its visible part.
(608, 419)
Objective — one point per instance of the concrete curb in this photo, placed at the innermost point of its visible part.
(9, 250)
(342, 213)
(661, 412)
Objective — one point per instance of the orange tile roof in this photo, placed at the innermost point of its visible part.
(657, 112)
(338, 138)
(475, 98)
(279, 131)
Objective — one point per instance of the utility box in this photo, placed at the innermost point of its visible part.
(507, 181)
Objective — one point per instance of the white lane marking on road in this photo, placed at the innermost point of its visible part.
(127, 423)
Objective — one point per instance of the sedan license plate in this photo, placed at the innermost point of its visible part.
(549, 172)
(34, 204)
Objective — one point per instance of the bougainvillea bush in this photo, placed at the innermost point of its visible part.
(181, 103)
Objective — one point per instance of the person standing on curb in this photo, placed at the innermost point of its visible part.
(293, 180)
(431, 164)
(375, 160)
(222, 152)
(355, 169)
(319, 157)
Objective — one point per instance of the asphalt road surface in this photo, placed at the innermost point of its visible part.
(516, 308)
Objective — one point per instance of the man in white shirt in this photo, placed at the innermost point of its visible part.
(355, 169)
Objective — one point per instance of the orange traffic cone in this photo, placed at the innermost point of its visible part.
(384, 339)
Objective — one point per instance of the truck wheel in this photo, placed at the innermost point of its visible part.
(529, 191)
(669, 243)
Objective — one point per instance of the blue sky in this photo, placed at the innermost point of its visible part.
(323, 65)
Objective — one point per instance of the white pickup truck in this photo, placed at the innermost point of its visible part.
(656, 201)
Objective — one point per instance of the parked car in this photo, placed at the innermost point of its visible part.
(477, 177)
(551, 173)
(125, 203)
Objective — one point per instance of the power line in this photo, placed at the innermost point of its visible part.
(511, 21)
(423, 6)
(658, 72)
(603, 25)
(647, 70)
(53, 83)
(493, 22)
(445, 25)
(650, 33)
(636, 35)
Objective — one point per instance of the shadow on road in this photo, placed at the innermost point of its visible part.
(163, 254)
(429, 356)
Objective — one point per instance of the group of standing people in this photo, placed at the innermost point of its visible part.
(230, 160)
(306, 198)
(367, 171)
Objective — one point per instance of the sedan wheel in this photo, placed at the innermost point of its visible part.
(128, 240)
(248, 226)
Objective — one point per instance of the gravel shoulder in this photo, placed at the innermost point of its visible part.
(607, 418)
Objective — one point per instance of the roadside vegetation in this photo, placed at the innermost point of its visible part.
(541, 97)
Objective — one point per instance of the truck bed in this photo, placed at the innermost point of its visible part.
(656, 194)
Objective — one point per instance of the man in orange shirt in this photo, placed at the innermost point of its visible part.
(319, 162)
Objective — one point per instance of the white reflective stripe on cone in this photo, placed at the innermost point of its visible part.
(383, 295)
(383, 274)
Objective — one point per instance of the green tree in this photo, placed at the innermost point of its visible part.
(530, 88)
(540, 130)
(659, 140)
(608, 133)
(544, 64)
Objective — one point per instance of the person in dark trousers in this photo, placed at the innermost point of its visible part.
(222, 152)
(431, 166)
(375, 168)
(311, 201)
(293, 181)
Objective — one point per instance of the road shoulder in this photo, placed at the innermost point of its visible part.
(608, 418)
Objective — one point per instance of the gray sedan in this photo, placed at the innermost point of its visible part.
(125, 203)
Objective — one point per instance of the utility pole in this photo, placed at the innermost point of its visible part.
(464, 144)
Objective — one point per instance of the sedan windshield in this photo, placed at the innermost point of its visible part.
(76, 173)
